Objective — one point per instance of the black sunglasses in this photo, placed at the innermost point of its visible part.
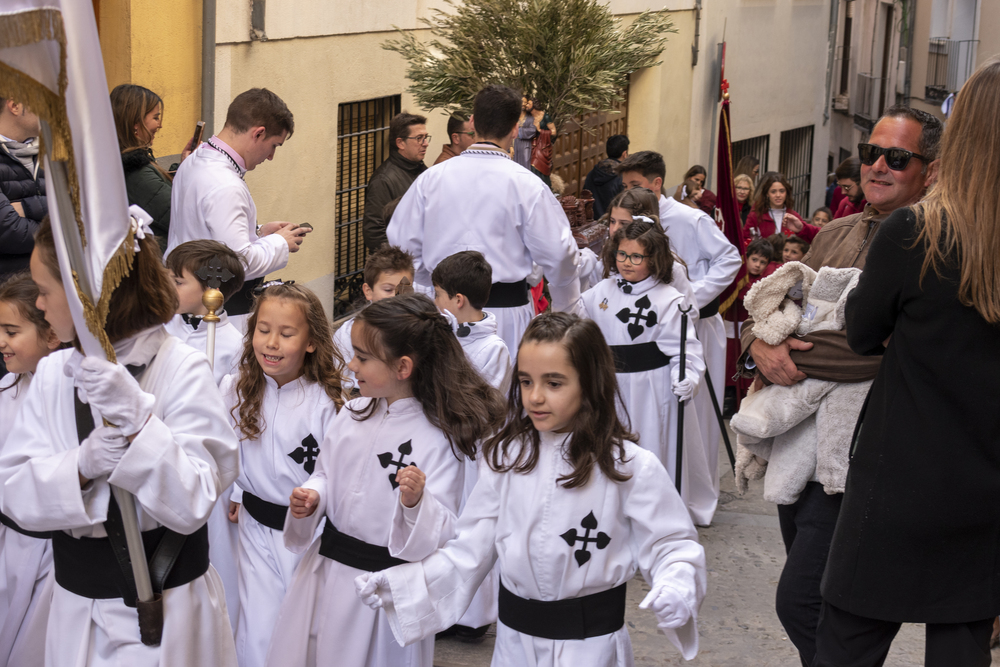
(895, 158)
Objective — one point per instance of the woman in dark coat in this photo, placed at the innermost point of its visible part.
(918, 537)
(138, 116)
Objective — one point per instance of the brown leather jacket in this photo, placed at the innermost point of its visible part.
(841, 244)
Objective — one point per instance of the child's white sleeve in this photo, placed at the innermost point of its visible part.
(666, 542)
(432, 595)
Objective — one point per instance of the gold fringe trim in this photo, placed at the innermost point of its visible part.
(31, 27)
(728, 303)
(91, 317)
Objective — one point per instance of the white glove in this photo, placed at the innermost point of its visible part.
(684, 389)
(101, 452)
(669, 606)
(112, 390)
(367, 586)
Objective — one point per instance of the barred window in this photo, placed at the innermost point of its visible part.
(795, 162)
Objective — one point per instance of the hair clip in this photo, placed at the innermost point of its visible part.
(643, 218)
(271, 283)
(214, 274)
(139, 221)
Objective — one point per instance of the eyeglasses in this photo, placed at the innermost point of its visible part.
(421, 138)
(635, 259)
(846, 189)
(470, 133)
(895, 158)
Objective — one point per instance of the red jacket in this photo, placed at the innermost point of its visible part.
(741, 311)
(766, 227)
(846, 208)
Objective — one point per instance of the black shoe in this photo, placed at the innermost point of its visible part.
(729, 403)
(470, 635)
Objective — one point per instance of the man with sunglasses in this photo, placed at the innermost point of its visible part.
(898, 165)
(408, 142)
(461, 135)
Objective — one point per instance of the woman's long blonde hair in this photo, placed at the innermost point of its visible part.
(960, 218)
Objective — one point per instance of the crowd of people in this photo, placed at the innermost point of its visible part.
(449, 458)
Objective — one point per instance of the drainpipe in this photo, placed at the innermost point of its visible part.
(208, 66)
(697, 32)
(831, 53)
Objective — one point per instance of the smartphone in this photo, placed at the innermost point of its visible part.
(306, 225)
(199, 129)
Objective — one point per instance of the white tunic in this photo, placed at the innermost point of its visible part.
(25, 563)
(228, 342)
(485, 350)
(322, 621)
(342, 340)
(713, 263)
(176, 467)
(210, 200)
(297, 418)
(481, 200)
(522, 521)
(650, 313)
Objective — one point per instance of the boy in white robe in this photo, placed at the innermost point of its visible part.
(210, 200)
(461, 289)
(482, 200)
(195, 266)
(712, 264)
(384, 269)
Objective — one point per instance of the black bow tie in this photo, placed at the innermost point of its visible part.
(625, 286)
(192, 320)
(464, 330)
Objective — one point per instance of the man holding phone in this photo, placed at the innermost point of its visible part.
(210, 199)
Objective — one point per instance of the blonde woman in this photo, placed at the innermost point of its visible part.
(917, 537)
(743, 185)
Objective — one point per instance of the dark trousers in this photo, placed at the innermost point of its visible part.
(807, 529)
(846, 640)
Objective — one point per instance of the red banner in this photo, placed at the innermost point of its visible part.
(733, 227)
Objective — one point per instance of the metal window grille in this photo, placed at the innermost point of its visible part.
(950, 63)
(758, 147)
(362, 145)
(795, 162)
(582, 143)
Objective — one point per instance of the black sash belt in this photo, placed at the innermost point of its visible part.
(87, 566)
(352, 552)
(711, 308)
(270, 514)
(576, 618)
(7, 521)
(509, 295)
(242, 302)
(638, 358)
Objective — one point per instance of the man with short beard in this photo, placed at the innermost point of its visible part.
(807, 525)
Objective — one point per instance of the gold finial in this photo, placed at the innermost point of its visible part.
(211, 299)
(725, 95)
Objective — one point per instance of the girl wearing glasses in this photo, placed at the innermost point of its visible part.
(772, 211)
(638, 310)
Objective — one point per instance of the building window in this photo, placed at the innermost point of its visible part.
(795, 162)
(582, 143)
(757, 147)
(362, 145)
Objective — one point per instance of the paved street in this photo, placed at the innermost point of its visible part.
(737, 622)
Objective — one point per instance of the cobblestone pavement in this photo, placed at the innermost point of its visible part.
(737, 623)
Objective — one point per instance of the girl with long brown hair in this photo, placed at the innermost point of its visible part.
(422, 413)
(25, 339)
(283, 399)
(773, 211)
(916, 540)
(570, 509)
(152, 423)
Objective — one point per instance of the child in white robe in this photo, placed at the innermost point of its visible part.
(384, 269)
(570, 509)
(638, 311)
(25, 557)
(171, 447)
(282, 402)
(195, 267)
(462, 285)
(425, 410)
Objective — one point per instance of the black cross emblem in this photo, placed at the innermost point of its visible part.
(589, 523)
(385, 460)
(464, 330)
(625, 286)
(213, 273)
(306, 454)
(650, 318)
